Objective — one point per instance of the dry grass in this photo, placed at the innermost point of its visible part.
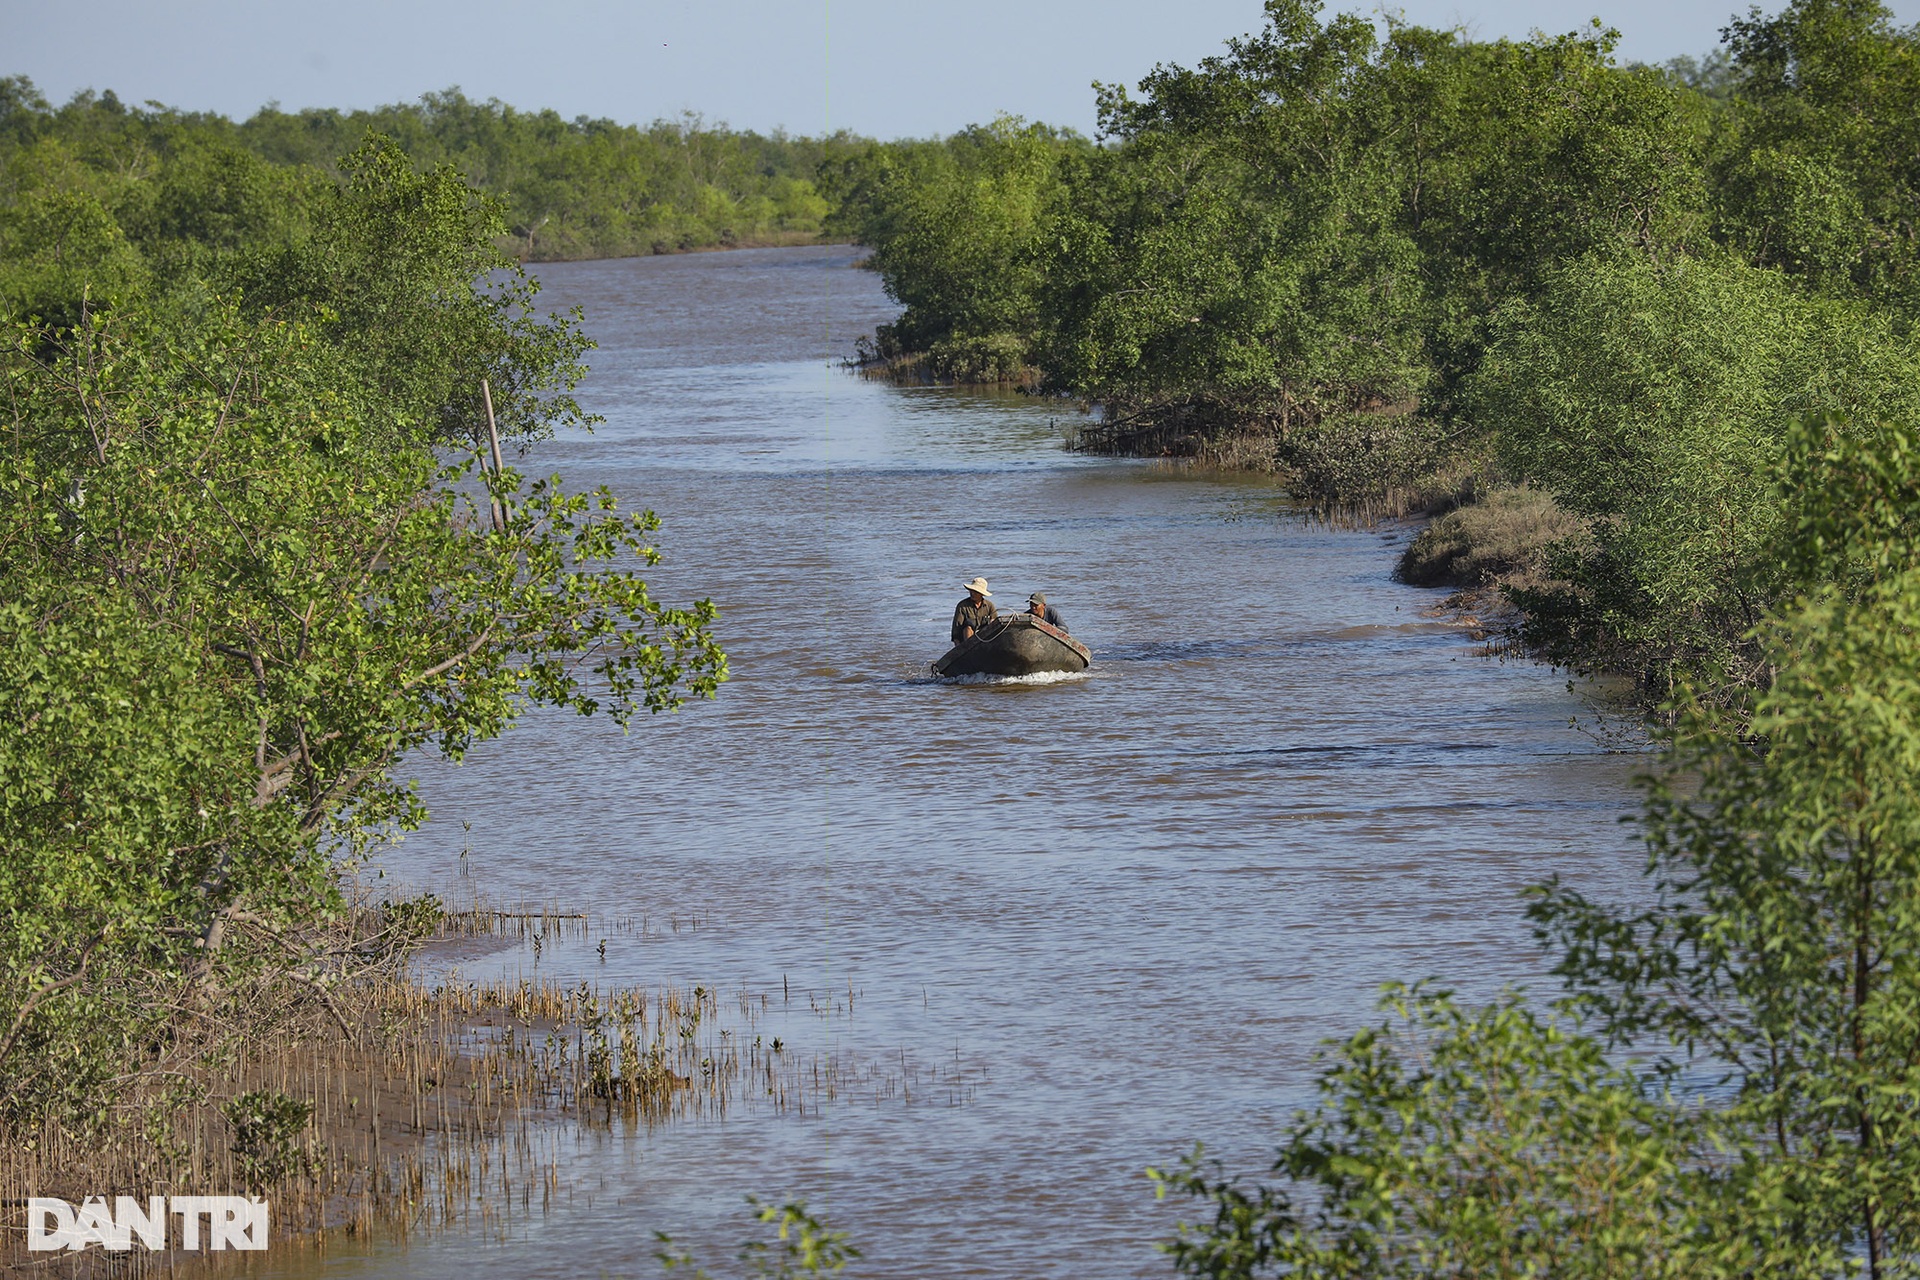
(1500, 539)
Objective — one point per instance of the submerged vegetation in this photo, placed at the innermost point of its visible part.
(413, 1108)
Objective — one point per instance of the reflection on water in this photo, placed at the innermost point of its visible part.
(1128, 905)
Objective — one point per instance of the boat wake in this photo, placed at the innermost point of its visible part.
(1039, 677)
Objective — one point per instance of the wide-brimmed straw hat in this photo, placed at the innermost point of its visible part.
(980, 585)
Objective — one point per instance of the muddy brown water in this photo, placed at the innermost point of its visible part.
(1114, 914)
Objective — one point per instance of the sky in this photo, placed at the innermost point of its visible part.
(898, 68)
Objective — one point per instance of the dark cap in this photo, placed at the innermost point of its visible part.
(1037, 598)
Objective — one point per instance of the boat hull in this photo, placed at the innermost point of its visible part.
(1015, 645)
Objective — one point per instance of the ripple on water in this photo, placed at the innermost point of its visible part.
(1127, 903)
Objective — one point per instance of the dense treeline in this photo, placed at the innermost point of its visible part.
(567, 188)
(1406, 270)
(257, 542)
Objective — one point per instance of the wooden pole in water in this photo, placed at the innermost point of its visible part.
(493, 443)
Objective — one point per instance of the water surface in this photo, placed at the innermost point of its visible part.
(1123, 909)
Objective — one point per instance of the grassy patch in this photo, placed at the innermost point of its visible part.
(1499, 539)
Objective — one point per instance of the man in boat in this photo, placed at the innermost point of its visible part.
(1037, 606)
(973, 613)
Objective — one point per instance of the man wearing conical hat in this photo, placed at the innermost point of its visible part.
(973, 613)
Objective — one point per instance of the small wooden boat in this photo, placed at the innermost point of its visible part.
(1014, 644)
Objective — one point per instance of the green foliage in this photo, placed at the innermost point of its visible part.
(1355, 458)
(958, 235)
(1781, 946)
(244, 574)
(1315, 222)
(64, 250)
(1731, 1087)
(266, 1136)
(212, 200)
(185, 184)
(1652, 400)
(586, 187)
(1242, 244)
(802, 1246)
(399, 270)
(1819, 166)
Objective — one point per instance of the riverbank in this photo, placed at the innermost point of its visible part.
(1490, 549)
(664, 246)
(384, 1100)
(1486, 537)
(1489, 539)
(995, 362)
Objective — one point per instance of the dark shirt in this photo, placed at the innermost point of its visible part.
(1052, 618)
(968, 614)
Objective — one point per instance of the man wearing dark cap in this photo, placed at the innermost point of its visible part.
(1037, 606)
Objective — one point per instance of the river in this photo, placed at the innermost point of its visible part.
(1114, 914)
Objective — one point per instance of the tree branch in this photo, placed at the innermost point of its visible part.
(486, 633)
(37, 998)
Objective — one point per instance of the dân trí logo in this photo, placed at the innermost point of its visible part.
(230, 1222)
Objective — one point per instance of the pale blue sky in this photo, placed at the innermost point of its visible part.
(903, 67)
